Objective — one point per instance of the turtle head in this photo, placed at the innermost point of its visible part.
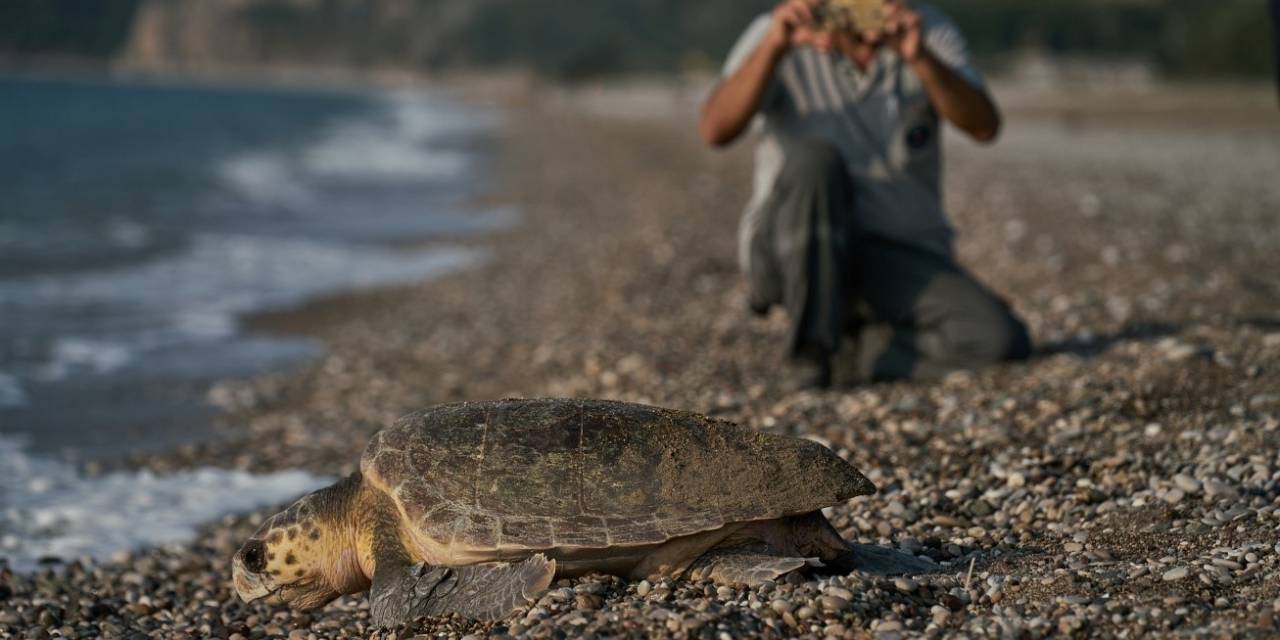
(304, 556)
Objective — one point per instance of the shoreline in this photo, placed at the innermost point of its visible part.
(460, 217)
(1057, 478)
(86, 438)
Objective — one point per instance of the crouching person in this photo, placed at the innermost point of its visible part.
(846, 229)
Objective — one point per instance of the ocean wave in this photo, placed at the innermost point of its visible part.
(367, 152)
(265, 178)
(12, 395)
(392, 143)
(199, 295)
(70, 355)
(47, 509)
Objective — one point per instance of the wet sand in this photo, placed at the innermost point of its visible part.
(1126, 481)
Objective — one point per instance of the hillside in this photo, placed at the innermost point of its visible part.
(563, 38)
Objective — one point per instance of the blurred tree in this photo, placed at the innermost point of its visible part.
(1223, 38)
(569, 38)
(1275, 36)
(92, 28)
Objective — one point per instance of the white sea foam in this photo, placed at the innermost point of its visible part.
(48, 510)
(363, 152)
(12, 395)
(392, 143)
(265, 178)
(198, 295)
(71, 355)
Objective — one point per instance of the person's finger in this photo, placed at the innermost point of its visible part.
(904, 13)
(892, 25)
(803, 36)
(788, 15)
(902, 23)
(805, 10)
(901, 14)
(795, 12)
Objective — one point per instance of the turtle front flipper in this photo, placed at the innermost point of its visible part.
(482, 592)
(750, 565)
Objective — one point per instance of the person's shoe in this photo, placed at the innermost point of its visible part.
(758, 308)
(807, 375)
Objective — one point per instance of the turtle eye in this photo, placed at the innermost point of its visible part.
(254, 556)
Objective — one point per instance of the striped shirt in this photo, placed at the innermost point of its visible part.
(880, 119)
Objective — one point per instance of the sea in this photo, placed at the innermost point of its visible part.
(140, 223)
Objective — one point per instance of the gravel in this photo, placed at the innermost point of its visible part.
(1124, 483)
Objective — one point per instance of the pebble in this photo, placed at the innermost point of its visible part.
(839, 592)
(1187, 483)
(588, 601)
(832, 603)
(1216, 489)
(952, 602)
(1175, 574)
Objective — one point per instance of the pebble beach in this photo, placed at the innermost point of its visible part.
(1123, 483)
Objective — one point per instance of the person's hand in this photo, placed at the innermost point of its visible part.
(902, 31)
(794, 26)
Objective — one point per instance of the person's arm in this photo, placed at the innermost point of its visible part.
(956, 99)
(735, 101)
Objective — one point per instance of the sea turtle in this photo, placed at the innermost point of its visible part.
(474, 508)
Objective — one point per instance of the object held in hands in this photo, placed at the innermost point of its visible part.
(852, 16)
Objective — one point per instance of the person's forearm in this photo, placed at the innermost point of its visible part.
(734, 102)
(956, 100)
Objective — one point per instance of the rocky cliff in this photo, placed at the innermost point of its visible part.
(563, 37)
(585, 37)
(202, 35)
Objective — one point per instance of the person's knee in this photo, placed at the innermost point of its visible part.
(987, 339)
(812, 162)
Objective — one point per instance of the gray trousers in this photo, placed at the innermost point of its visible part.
(882, 310)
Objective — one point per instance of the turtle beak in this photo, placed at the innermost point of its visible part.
(248, 584)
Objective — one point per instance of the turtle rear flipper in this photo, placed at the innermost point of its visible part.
(877, 560)
(482, 592)
(749, 565)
